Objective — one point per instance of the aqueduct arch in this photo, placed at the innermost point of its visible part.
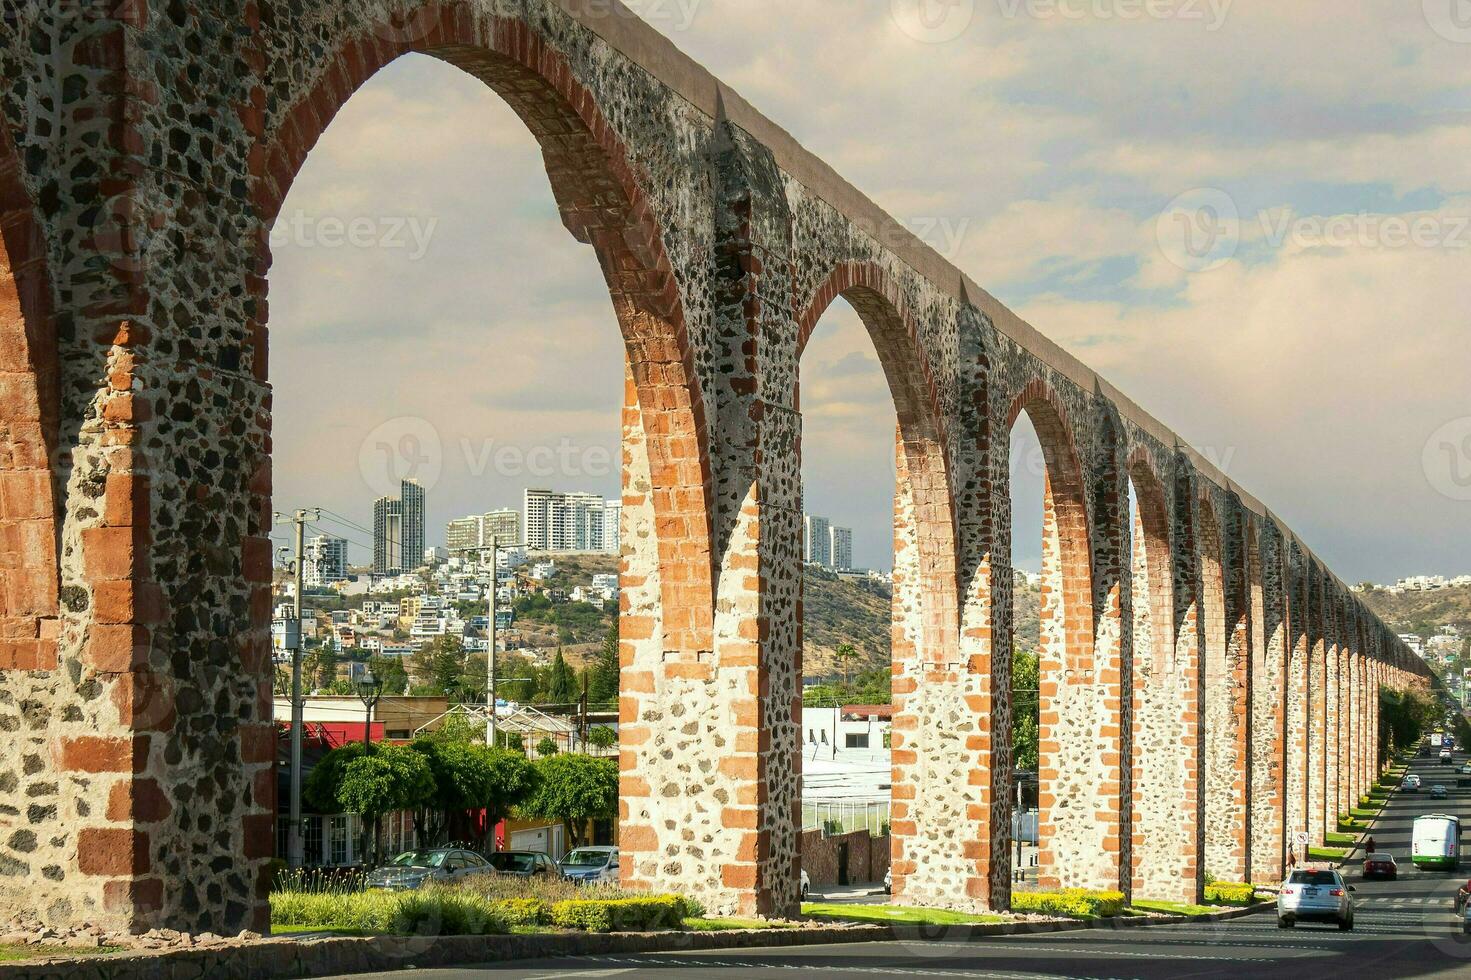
(141, 778)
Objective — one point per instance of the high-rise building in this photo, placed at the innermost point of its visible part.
(326, 560)
(817, 544)
(501, 527)
(398, 530)
(840, 548)
(463, 534)
(575, 521)
(612, 535)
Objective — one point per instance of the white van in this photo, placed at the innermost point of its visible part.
(1436, 842)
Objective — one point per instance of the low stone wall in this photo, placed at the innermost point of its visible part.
(288, 959)
(868, 857)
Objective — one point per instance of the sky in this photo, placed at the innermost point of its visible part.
(1254, 218)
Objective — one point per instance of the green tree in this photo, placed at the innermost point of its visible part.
(602, 674)
(562, 684)
(469, 777)
(439, 664)
(546, 746)
(322, 783)
(390, 778)
(1024, 708)
(575, 788)
(390, 670)
(602, 737)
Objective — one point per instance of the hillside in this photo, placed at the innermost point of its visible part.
(1422, 612)
(835, 611)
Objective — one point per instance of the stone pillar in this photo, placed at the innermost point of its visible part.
(1332, 715)
(1168, 834)
(722, 817)
(1317, 708)
(1228, 662)
(136, 696)
(1080, 778)
(1269, 693)
(1298, 706)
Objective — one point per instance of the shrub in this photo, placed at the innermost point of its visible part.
(434, 910)
(523, 911)
(620, 914)
(1071, 902)
(1229, 893)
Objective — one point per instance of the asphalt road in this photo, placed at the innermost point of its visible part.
(1403, 928)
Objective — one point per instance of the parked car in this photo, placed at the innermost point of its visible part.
(595, 865)
(412, 869)
(1381, 864)
(1437, 792)
(1315, 896)
(523, 864)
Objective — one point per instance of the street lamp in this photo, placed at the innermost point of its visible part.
(370, 689)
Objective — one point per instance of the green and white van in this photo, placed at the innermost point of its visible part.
(1436, 842)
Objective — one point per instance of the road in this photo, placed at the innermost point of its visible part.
(1403, 928)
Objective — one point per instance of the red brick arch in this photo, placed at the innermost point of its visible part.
(1065, 521)
(1152, 532)
(602, 203)
(29, 572)
(925, 471)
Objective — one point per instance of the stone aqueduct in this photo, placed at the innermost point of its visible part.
(1200, 702)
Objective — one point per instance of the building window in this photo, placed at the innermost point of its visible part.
(857, 740)
(311, 835)
(337, 840)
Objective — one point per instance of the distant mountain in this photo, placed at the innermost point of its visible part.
(1422, 613)
(836, 611)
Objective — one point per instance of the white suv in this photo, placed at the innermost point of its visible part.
(1314, 895)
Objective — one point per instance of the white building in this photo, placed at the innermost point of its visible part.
(840, 548)
(817, 540)
(326, 561)
(576, 521)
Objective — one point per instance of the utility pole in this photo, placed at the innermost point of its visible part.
(490, 701)
(295, 846)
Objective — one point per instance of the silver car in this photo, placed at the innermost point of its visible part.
(1311, 895)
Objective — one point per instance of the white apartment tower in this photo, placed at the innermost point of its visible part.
(575, 521)
(817, 544)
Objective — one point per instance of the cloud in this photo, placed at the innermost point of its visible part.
(1048, 147)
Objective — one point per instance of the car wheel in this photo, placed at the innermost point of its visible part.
(1346, 925)
(1284, 923)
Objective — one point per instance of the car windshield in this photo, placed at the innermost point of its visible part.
(420, 859)
(1312, 878)
(585, 859)
(504, 861)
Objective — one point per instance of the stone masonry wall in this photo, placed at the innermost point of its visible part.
(145, 152)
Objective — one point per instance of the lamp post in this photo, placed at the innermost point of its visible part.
(370, 689)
